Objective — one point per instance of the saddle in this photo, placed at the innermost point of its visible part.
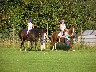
(61, 34)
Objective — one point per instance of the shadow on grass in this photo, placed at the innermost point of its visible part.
(61, 46)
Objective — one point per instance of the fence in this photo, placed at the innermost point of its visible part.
(88, 37)
(9, 41)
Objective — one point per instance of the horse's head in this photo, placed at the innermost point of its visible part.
(47, 39)
(71, 31)
(41, 32)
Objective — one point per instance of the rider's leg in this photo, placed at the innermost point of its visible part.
(62, 33)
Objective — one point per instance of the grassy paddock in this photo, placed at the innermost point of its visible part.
(13, 60)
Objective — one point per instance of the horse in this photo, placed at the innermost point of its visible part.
(33, 36)
(55, 38)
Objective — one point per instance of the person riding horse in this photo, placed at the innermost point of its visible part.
(62, 28)
(33, 36)
(30, 25)
(57, 37)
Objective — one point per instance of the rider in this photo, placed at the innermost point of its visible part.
(30, 25)
(62, 28)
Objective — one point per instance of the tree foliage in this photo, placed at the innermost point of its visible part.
(43, 12)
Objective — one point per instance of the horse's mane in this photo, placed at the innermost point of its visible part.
(56, 32)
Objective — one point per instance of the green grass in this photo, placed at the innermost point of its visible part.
(13, 60)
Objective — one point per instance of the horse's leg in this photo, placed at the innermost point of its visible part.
(41, 47)
(28, 44)
(35, 45)
(44, 45)
(59, 39)
(41, 43)
(31, 45)
(22, 44)
(55, 46)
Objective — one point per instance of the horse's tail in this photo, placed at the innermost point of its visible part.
(19, 34)
(52, 38)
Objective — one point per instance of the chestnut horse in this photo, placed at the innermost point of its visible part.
(55, 37)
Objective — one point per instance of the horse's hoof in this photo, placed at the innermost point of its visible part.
(20, 49)
(56, 49)
(73, 50)
(25, 49)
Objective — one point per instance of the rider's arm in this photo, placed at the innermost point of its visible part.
(32, 25)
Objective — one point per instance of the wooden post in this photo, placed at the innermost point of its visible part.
(13, 35)
(81, 38)
(47, 29)
(81, 32)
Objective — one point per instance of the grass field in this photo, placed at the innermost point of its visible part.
(13, 60)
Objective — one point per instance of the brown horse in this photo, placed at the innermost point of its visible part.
(33, 36)
(55, 37)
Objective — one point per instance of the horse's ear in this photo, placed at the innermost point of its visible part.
(45, 30)
(69, 27)
(74, 25)
(35, 26)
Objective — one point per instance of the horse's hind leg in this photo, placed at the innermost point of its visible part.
(35, 45)
(22, 45)
(31, 45)
(55, 46)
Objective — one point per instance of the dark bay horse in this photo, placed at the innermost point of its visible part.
(33, 36)
(55, 37)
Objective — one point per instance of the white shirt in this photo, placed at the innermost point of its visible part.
(63, 27)
(30, 25)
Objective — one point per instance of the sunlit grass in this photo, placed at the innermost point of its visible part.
(13, 60)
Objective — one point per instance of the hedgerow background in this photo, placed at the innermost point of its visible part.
(15, 13)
